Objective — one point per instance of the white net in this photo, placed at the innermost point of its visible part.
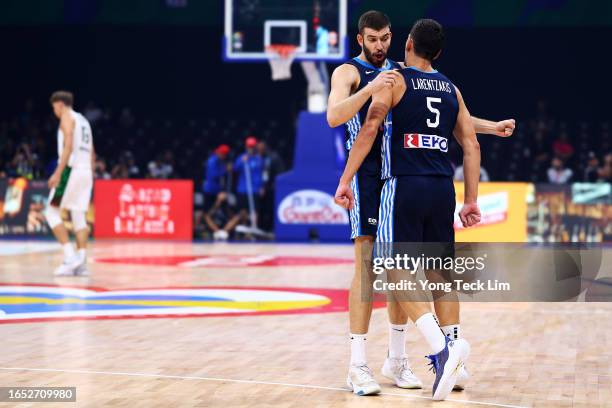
(281, 57)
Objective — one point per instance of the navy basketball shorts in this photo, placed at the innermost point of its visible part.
(417, 209)
(364, 215)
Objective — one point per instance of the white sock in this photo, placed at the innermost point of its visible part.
(452, 331)
(68, 251)
(358, 349)
(428, 326)
(82, 254)
(397, 340)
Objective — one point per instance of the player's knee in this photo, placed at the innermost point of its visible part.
(395, 311)
(79, 221)
(364, 244)
(364, 239)
(53, 216)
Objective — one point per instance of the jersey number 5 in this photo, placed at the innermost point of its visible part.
(436, 122)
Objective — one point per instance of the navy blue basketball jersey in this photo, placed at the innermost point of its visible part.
(422, 125)
(367, 72)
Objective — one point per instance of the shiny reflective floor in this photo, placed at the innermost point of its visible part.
(233, 325)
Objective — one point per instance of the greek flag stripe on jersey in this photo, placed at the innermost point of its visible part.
(354, 213)
(385, 151)
(353, 125)
(385, 216)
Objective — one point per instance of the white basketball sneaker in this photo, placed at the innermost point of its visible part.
(82, 270)
(361, 381)
(462, 379)
(398, 370)
(68, 267)
(64, 269)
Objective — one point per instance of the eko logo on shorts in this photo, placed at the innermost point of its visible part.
(418, 141)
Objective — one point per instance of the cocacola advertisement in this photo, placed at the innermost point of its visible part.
(157, 209)
(310, 207)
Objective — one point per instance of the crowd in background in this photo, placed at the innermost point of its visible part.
(239, 190)
(132, 148)
(221, 154)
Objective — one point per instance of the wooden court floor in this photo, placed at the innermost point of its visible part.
(238, 335)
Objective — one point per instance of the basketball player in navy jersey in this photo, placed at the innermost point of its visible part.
(352, 86)
(418, 197)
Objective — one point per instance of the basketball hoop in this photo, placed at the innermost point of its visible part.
(281, 57)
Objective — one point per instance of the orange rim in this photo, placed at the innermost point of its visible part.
(283, 50)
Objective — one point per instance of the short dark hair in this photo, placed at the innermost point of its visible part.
(62, 96)
(376, 20)
(428, 38)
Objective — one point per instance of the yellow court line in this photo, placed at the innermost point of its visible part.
(250, 305)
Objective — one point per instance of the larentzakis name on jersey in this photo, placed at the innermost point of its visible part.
(431, 85)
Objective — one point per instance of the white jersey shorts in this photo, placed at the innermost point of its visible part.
(74, 190)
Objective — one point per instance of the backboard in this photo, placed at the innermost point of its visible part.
(316, 27)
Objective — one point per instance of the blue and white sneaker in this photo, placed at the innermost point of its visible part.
(447, 365)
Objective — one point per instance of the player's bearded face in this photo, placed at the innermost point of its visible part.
(376, 45)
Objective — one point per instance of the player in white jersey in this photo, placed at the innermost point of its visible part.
(71, 183)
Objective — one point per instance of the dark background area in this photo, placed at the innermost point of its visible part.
(163, 61)
(177, 71)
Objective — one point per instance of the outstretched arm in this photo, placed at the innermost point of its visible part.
(342, 106)
(466, 137)
(503, 128)
(381, 103)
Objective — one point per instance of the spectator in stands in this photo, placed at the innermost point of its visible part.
(159, 168)
(484, 175)
(125, 167)
(168, 164)
(130, 163)
(249, 169)
(558, 173)
(120, 170)
(591, 172)
(215, 177)
(154, 167)
(562, 148)
(605, 173)
(100, 170)
(23, 163)
(272, 166)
